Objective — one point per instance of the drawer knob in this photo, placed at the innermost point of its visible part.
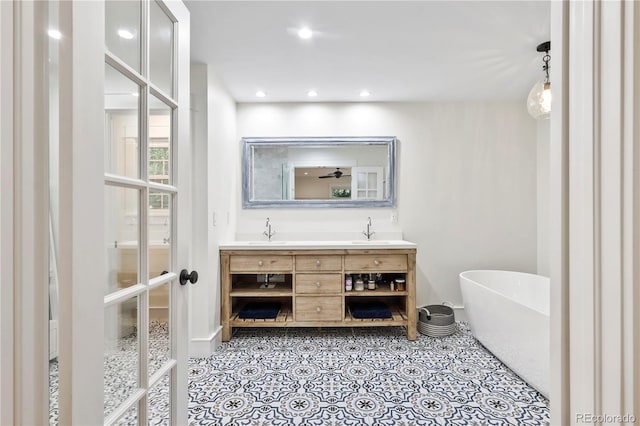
(376, 262)
(260, 263)
(317, 263)
(318, 309)
(318, 284)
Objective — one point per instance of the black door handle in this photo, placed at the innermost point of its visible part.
(186, 276)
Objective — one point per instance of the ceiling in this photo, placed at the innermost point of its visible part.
(398, 50)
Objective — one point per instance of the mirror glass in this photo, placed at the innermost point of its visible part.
(319, 172)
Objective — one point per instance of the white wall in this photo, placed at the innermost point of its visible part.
(215, 145)
(466, 182)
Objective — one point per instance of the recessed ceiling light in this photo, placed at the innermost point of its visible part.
(126, 34)
(305, 33)
(261, 94)
(364, 93)
(306, 173)
(312, 93)
(136, 94)
(55, 34)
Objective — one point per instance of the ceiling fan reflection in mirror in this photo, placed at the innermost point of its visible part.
(335, 174)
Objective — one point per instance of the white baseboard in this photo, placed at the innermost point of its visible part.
(459, 313)
(202, 347)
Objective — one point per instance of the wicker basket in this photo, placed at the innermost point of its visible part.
(436, 320)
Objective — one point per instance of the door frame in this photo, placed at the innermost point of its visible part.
(25, 145)
(81, 243)
(6, 212)
(183, 216)
(594, 246)
(24, 211)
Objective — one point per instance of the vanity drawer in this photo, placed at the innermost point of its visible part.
(310, 308)
(259, 263)
(372, 262)
(318, 283)
(318, 263)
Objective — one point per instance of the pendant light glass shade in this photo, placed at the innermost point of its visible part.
(539, 100)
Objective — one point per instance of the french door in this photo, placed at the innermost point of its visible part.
(145, 331)
(366, 183)
(100, 100)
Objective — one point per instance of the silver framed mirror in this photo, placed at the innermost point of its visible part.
(293, 172)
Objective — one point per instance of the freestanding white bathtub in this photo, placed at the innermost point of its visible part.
(508, 312)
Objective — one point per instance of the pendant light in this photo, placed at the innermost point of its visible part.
(539, 99)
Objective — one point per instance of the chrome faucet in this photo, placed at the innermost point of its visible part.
(269, 232)
(368, 233)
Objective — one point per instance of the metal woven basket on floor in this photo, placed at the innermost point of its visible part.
(436, 320)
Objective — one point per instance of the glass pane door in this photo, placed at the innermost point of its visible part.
(366, 183)
(140, 222)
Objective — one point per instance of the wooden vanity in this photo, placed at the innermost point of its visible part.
(307, 280)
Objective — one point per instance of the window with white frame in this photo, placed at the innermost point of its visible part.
(159, 171)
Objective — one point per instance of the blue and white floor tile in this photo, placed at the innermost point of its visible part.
(364, 376)
(121, 377)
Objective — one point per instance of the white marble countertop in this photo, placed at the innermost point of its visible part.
(310, 245)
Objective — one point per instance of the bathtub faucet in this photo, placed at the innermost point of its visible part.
(368, 233)
(269, 232)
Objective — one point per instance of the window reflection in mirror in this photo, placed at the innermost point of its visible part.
(318, 172)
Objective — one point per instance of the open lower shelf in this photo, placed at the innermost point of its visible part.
(284, 316)
(398, 317)
(253, 289)
(267, 292)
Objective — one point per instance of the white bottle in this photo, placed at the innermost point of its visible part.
(348, 283)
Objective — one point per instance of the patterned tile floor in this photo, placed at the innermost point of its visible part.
(121, 376)
(360, 376)
(342, 376)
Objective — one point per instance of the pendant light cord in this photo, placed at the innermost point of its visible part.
(545, 67)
